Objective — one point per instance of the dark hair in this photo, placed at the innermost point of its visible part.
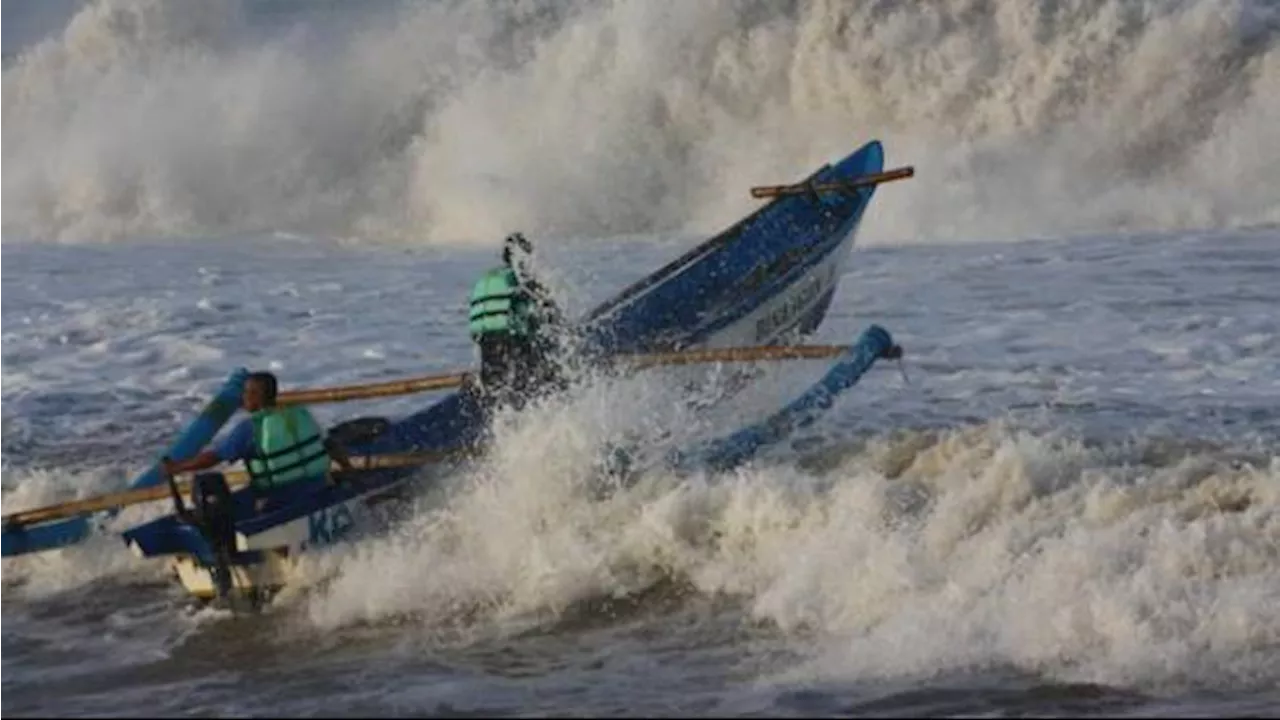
(269, 385)
(514, 240)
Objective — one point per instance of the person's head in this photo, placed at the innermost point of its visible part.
(259, 391)
(515, 245)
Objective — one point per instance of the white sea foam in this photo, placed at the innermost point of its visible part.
(1079, 481)
(450, 122)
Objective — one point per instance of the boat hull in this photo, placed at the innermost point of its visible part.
(770, 277)
(268, 556)
(267, 547)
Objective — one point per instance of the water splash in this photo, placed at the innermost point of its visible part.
(985, 546)
(456, 122)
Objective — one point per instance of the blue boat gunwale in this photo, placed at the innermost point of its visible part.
(690, 257)
(701, 287)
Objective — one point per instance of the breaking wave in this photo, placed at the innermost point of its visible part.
(450, 122)
(1139, 563)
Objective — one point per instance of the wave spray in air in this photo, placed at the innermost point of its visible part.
(455, 122)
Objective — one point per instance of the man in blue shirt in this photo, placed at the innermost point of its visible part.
(238, 444)
(282, 472)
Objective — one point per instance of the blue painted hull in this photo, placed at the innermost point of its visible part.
(770, 275)
(687, 303)
(169, 536)
(710, 299)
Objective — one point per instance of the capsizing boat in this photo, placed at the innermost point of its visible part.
(769, 277)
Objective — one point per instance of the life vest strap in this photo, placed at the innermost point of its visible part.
(296, 447)
(301, 463)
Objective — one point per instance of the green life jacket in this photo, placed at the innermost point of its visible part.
(500, 306)
(290, 447)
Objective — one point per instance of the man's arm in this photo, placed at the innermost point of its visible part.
(237, 446)
(205, 460)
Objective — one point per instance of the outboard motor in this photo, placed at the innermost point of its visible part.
(359, 431)
(211, 500)
(212, 512)
(356, 432)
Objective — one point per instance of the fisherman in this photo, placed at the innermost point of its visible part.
(284, 449)
(514, 322)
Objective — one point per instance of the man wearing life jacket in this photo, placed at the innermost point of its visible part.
(284, 449)
(513, 320)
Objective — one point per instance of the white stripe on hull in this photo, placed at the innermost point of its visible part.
(282, 545)
(322, 527)
(779, 315)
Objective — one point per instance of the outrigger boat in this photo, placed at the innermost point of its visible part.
(768, 278)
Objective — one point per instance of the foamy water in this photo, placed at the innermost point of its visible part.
(1071, 506)
(449, 122)
(1077, 490)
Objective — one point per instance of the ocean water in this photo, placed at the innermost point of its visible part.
(1070, 505)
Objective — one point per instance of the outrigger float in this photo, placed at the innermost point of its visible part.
(737, 297)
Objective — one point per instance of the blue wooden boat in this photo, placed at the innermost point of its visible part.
(770, 277)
